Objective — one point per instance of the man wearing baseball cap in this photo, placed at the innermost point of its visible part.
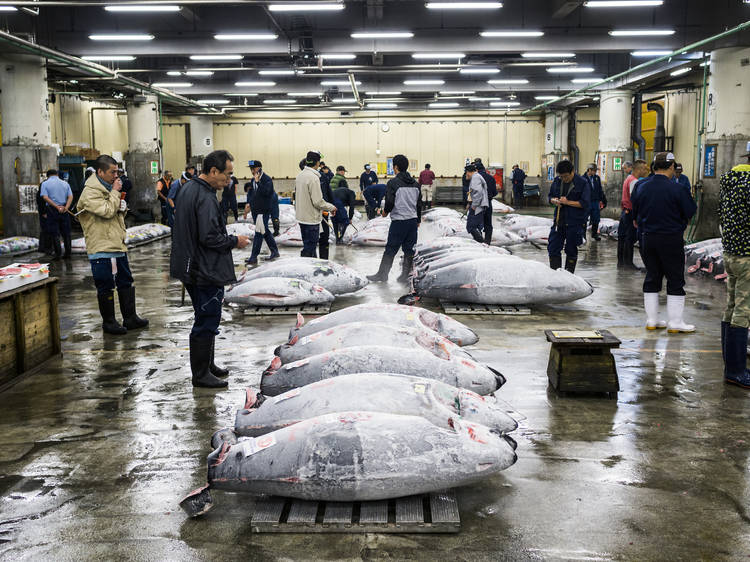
(681, 178)
(734, 218)
(309, 203)
(662, 209)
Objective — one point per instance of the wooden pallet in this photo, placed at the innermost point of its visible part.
(429, 513)
(450, 307)
(305, 309)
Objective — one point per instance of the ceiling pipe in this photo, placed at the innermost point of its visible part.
(686, 49)
(660, 134)
(636, 134)
(353, 83)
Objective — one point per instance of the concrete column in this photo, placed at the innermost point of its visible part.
(727, 127)
(615, 144)
(201, 135)
(143, 150)
(25, 153)
(555, 146)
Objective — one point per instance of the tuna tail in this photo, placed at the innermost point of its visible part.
(226, 435)
(253, 398)
(300, 320)
(498, 377)
(197, 502)
(273, 367)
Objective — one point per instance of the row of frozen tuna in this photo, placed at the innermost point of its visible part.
(707, 258)
(18, 245)
(410, 414)
(461, 270)
(133, 235)
(294, 281)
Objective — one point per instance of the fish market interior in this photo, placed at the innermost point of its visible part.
(374, 279)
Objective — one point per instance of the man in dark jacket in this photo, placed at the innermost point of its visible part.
(404, 204)
(229, 198)
(325, 224)
(260, 198)
(373, 198)
(598, 200)
(368, 178)
(202, 259)
(571, 195)
(491, 194)
(518, 176)
(344, 198)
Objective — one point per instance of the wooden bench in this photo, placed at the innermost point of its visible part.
(582, 361)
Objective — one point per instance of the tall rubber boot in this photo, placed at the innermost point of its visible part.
(323, 251)
(651, 306)
(570, 264)
(406, 268)
(595, 231)
(675, 310)
(488, 236)
(555, 262)
(107, 310)
(130, 318)
(200, 359)
(276, 224)
(628, 258)
(385, 268)
(477, 235)
(620, 253)
(735, 362)
(213, 367)
(724, 327)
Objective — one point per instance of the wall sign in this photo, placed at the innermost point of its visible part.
(617, 164)
(27, 199)
(709, 161)
(154, 168)
(389, 166)
(550, 173)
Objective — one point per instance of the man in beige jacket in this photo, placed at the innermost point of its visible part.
(102, 216)
(309, 203)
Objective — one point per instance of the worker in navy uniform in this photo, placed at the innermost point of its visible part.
(598, 200)
(368, 178)
(229, 198)
(662, 209)
(491, 194)
(571, 195)
(325, 224)
(465, 180)
(260, 197)
(681, 178)
(518, 176)
(59, 197)
(373, 196)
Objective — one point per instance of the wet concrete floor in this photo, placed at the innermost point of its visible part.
(97, 449)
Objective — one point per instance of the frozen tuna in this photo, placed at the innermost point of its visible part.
(391, 314)
(359, 456)
(450, 369)
(336, 278)
(502, 280)
(498, 207)
(277, 291)
(519, 222)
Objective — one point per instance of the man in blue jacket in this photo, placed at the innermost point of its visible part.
(681, 178)
(518, 176)
(571, 195)
(598, 200)
(491, 194)
(260, 198)
(662, 209)
(368, 178)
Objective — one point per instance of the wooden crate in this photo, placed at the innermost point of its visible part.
(583, 364)
(29, 329)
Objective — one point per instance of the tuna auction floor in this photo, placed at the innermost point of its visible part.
(97, 450)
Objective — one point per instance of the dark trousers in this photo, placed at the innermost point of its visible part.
(595, 216)
(228, 203)
(310, 236)
(58, 226)
(475, 221)
(518, 195)
(325, 232)
(207, 301)
(465, 195)
(625, 233)
(340, 229)
(267, 236)
(487, 218)
(401, 234)
(106, 279)
(565, 236)
(165, 211)
(664, 256)
(45, 238)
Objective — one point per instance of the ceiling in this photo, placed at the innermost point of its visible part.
(574, 36)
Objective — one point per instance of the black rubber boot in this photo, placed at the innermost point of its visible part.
(570, 264)
(735, 356)
(555, 262)
(130, 319)
(213, 367)
(323, 251)
(595, 231)
(406, 268)
(200, 359)
(477, 235)
(724, 328)
(488, 236)
(276, 224)
(627, 259)
(107, 310)
(385, 268)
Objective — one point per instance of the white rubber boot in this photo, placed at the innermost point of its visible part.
(675, 309)
(651, 304)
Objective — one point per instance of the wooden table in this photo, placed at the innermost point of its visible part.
(581, 363)
(29, 329)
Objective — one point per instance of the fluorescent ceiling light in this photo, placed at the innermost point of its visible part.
(479, 70)
(424, 82)
(215, 57)
(649, 53)
(586, 80)
(571, 70)
(199, 73)
(545, 98)
(381, 105)
(382, 35)
(143, 8)
(640, 32)
(339, 83)
(463, 5)
(174, 73)
(306, 7)
(508, 81)
(172, 84)
(255, 84)
(547, 55)
(213, 102)
(443, 104)
(511, 33)
(484, 99)
(241, 94)
(420, 56)
(337, 56)
(622, 3)
(305, 94)
(8, 9)
(279, 101)
(456, 92)
(278, 72)
(505, 103)
(706, 63)
(343, 100)
(545, 63)
(680, 71)
(391, 93)
(121, 37)
(246, 36)
(109, 58)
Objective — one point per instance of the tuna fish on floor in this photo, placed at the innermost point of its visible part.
(336, 278)
(277, 291)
